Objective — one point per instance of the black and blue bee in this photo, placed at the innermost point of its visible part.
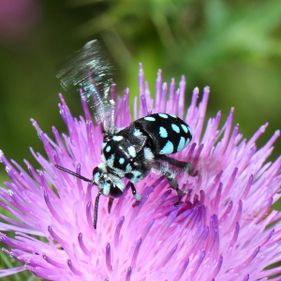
(131, 152)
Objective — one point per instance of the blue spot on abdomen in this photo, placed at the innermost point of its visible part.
(182, 144)
(163, 132)
(168, 148)
(184, 127)
(163, 115)
(149, 118)
(175, 128)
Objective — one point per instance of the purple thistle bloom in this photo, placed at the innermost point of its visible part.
(224, 230)
(17, 17)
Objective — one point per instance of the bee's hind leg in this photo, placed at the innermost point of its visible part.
(109, 206)
(170, 176)
(184, 166)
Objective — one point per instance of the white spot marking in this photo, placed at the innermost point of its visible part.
(163, 132)
(175, 128)
(128, 168)
(182, 144)
(102, 167)
(117, 138)
(184, 127)
(103, 159)
(132, 151)
(109, 162)
(163, 115)
(106, 189)
(96, 178)
(121, 160)
(148, 155)
(108, 148)
(168, 148)
(118, 182)
(120, 172)
(149, 118)
(137, 133)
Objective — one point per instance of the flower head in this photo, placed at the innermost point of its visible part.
(224, 229)
(17, 17)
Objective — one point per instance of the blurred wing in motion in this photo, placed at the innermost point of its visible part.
(90, 71)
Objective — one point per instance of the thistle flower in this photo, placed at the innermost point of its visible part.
(17, 17)
(224, 229)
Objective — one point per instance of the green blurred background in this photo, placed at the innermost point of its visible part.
(232, 46)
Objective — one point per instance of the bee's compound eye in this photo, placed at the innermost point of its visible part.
(106, 138)
(115, 191)
(95, 171)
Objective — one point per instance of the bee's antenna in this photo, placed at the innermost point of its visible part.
(96, 209)
(73, 173)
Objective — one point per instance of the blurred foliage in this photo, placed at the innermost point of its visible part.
(232, 46)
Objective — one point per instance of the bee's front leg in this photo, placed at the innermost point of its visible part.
(110, 202)
(134, 191)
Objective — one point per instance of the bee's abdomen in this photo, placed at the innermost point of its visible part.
(168, 133)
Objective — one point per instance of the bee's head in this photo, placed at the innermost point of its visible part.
(109, 184)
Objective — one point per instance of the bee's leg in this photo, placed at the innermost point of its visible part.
(110, 202)
(173, 182)
(96, 209)
(186, 166)
(170, 176)
(134, 191)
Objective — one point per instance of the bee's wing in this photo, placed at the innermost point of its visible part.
(90, 71)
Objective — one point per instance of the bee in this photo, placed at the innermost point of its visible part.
(127, 153)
